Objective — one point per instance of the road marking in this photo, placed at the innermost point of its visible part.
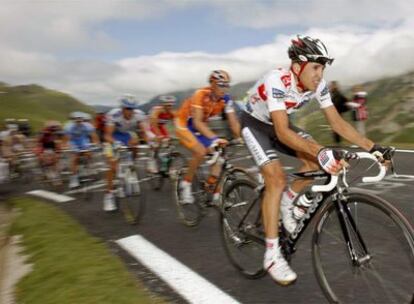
(100, 185)
(190, 285)
(59, 198)
(404, 151)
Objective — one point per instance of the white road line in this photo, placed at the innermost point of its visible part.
(190, 285)
(59, 198)
(405, 151)
(100, 185)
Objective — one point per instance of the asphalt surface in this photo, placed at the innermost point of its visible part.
(201, 249)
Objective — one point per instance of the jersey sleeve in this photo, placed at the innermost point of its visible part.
(110, 117)
(275, 92)
(90, 128)
(197, 99)
(323, 96)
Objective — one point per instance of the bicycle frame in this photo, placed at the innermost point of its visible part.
(322, 198)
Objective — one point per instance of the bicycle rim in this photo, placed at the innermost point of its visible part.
(240, 220)
(387, 275)
(188, 214)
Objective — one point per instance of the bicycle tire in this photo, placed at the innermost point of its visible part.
(388, 275)
(188, 214)
(245, 254)
(230, 176)
(134, 203)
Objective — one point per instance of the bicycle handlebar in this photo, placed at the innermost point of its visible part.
(366, 179)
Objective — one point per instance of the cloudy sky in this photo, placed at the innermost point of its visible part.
(98, 49)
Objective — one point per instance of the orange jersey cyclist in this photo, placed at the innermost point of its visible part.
(192, 129)
(267, 132)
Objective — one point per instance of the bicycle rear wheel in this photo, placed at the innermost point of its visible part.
(383, 242)
(188, 214)
(242, 228)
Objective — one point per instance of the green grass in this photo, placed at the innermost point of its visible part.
(70, 266)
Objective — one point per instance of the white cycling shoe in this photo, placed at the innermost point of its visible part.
(186, 193)
(288, 220)
(279, 270)
(152, 166)
(74, 182)
(109, 202)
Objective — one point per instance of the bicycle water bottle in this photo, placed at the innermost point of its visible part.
(302, 205)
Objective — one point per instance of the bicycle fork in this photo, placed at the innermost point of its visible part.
(351, 234)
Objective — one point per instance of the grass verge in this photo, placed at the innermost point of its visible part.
(70, 266)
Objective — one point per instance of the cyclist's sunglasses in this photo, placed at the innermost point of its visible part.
(223, 84)
(129, 108)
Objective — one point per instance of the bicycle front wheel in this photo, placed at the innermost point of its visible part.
(242, 229)
(188, 214)
(382, 242)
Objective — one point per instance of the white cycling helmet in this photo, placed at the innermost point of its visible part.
(167, 99)
(128, 101)
(77, 115)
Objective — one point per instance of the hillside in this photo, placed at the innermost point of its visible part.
(391, 112)
(37, 104)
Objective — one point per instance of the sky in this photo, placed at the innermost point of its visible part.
(97, 50)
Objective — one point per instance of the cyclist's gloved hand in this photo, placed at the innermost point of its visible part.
(218, 142)
(329, 160)
(382, 153)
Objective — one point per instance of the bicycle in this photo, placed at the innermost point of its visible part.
(87, 173)
(129, 193)
(191, 214)
(361, 244)
(168, 162)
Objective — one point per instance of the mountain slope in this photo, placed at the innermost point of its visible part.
(37, 104)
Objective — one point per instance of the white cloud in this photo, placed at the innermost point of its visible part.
(33, 35)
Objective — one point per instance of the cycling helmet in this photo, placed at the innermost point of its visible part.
(307, 49)
(167, 99)
(87, 117)
(76, 115)
(128, 101)
(220, 77)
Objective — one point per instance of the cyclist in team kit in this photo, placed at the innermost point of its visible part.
(192, 129)
(79, 136)
(121, 129)
(267, 131)
(159, 116)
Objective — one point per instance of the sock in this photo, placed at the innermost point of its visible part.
(288, 197)
(272, 248)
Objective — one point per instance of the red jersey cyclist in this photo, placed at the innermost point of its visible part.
(268, 131)
(159, 116)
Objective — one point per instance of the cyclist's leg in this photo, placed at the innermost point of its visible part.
(259, 140)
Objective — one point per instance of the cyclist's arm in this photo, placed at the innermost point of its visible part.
(289, 137)
(343, 128)
(95, 138)
(234, 124)
(199, 124)
(154, 121)
(109, 130)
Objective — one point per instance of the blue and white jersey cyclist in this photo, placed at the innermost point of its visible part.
(79, 135)
(267, 131)
(121, 128)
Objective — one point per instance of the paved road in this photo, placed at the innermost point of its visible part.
(201, 248)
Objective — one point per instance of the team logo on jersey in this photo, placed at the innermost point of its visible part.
(286, 80)
(276, 93)
(262, 92)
